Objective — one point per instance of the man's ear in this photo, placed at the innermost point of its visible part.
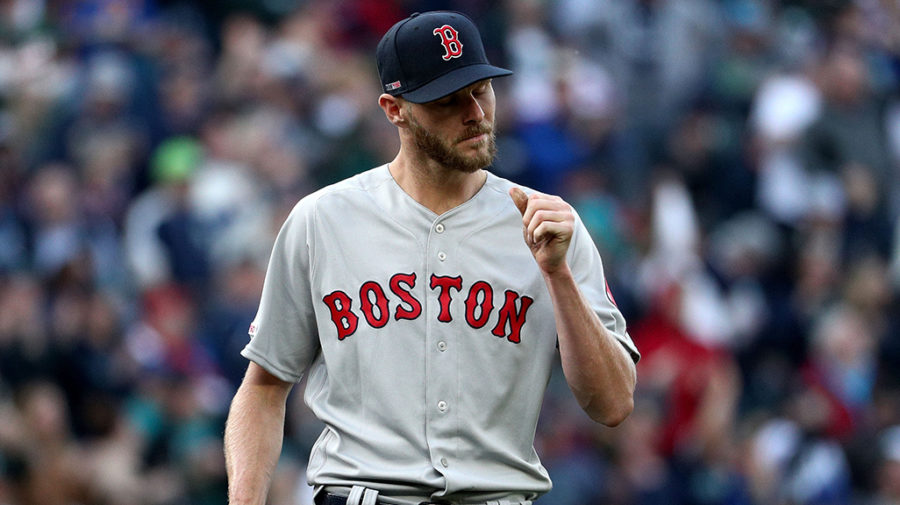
(393, 109)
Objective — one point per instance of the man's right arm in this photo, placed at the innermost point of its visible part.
(253, 435)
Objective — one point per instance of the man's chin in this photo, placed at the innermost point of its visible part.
(481, 151)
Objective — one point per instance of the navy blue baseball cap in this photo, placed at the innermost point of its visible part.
(431, 55)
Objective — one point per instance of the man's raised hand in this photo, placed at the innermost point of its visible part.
(547, 225)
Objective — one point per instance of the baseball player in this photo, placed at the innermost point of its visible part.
(427, 299)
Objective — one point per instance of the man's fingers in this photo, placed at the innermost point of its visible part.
(548, 230)
(519, 198)
(542, 216)
(540, 203)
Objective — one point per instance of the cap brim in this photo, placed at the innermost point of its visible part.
(454, 81)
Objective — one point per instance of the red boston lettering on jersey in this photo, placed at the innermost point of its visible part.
(375, 305)
(381, 302)
(509, 314)
(484, 291)
(344, 320)
(415, 308)
(450, 40)
(445, 283)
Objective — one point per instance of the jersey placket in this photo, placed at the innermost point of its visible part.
(441, 353)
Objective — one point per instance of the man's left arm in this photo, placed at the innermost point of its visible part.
(598, 369)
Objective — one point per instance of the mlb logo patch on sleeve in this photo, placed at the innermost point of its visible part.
(254, 329)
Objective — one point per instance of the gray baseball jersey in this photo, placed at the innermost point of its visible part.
(428, 339)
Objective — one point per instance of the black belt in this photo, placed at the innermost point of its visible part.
(333, 499)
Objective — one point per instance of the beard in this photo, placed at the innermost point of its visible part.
(447, 155)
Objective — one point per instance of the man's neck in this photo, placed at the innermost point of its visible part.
(436, 187)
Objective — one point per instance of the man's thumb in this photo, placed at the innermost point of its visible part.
(519, 198)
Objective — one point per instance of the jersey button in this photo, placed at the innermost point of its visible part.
(442, 255)
(442, 346)
(439, 228)
(444, 462)
(442, 406)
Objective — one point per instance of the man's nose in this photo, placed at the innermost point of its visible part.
(474, 113)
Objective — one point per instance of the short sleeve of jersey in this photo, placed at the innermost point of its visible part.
(283, 336)
(587, 267)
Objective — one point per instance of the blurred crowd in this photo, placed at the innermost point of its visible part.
(737, 162)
